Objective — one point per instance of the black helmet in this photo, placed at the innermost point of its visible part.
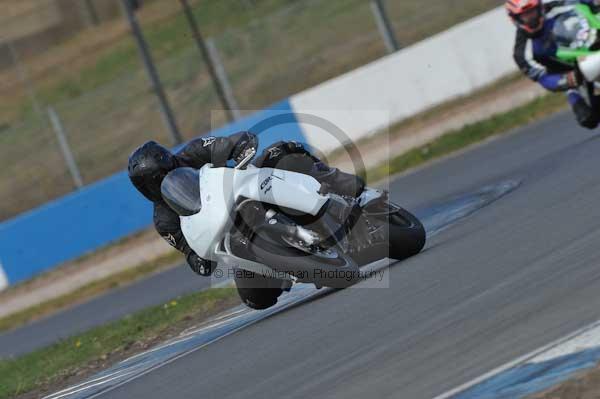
(148, 165)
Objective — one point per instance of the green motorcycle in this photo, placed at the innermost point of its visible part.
(577, 34)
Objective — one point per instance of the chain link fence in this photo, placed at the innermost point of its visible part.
(413, 21)
(297, 48)
(97, 86)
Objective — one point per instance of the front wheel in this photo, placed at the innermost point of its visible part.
(256, 291)
(329, 267)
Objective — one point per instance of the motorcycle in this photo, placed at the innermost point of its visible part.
(269, 228)
(576, 33)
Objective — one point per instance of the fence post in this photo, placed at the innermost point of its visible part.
(222, 78)
(91, 13)
(64, 147)
(167, 113)
(214, 65)
(24, 77)
(385, 26)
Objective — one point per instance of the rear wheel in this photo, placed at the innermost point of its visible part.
(404, 236)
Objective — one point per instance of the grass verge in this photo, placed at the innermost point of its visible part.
(84, 354)
(88, 291)
(468, 135)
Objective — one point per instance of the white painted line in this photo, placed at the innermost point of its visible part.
(587, 340)
(167, 362)
(557, 347)
(3, 278)
(87, 385)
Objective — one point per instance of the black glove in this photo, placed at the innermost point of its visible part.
(245, 144)
(585, 115)
(200, 266)
(293, 147)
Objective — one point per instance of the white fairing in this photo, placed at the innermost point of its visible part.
(220, 188)
(590, 67)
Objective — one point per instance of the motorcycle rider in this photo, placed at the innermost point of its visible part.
(151, 162)
(534, 20)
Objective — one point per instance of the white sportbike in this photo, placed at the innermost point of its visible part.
(268, 228)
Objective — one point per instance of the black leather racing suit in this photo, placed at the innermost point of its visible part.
(282, 155)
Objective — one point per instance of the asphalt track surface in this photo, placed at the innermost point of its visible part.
(510, 278)
(114, 305)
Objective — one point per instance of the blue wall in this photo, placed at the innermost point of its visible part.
(108, 210)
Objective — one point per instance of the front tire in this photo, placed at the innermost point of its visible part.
(338, 270)
(256, 291)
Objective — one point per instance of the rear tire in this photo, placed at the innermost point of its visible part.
(407, 235)
(405, 238)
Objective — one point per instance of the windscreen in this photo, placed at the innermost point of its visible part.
(181, 191)
(571, 30)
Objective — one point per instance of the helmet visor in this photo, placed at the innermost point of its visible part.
(181, 191)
